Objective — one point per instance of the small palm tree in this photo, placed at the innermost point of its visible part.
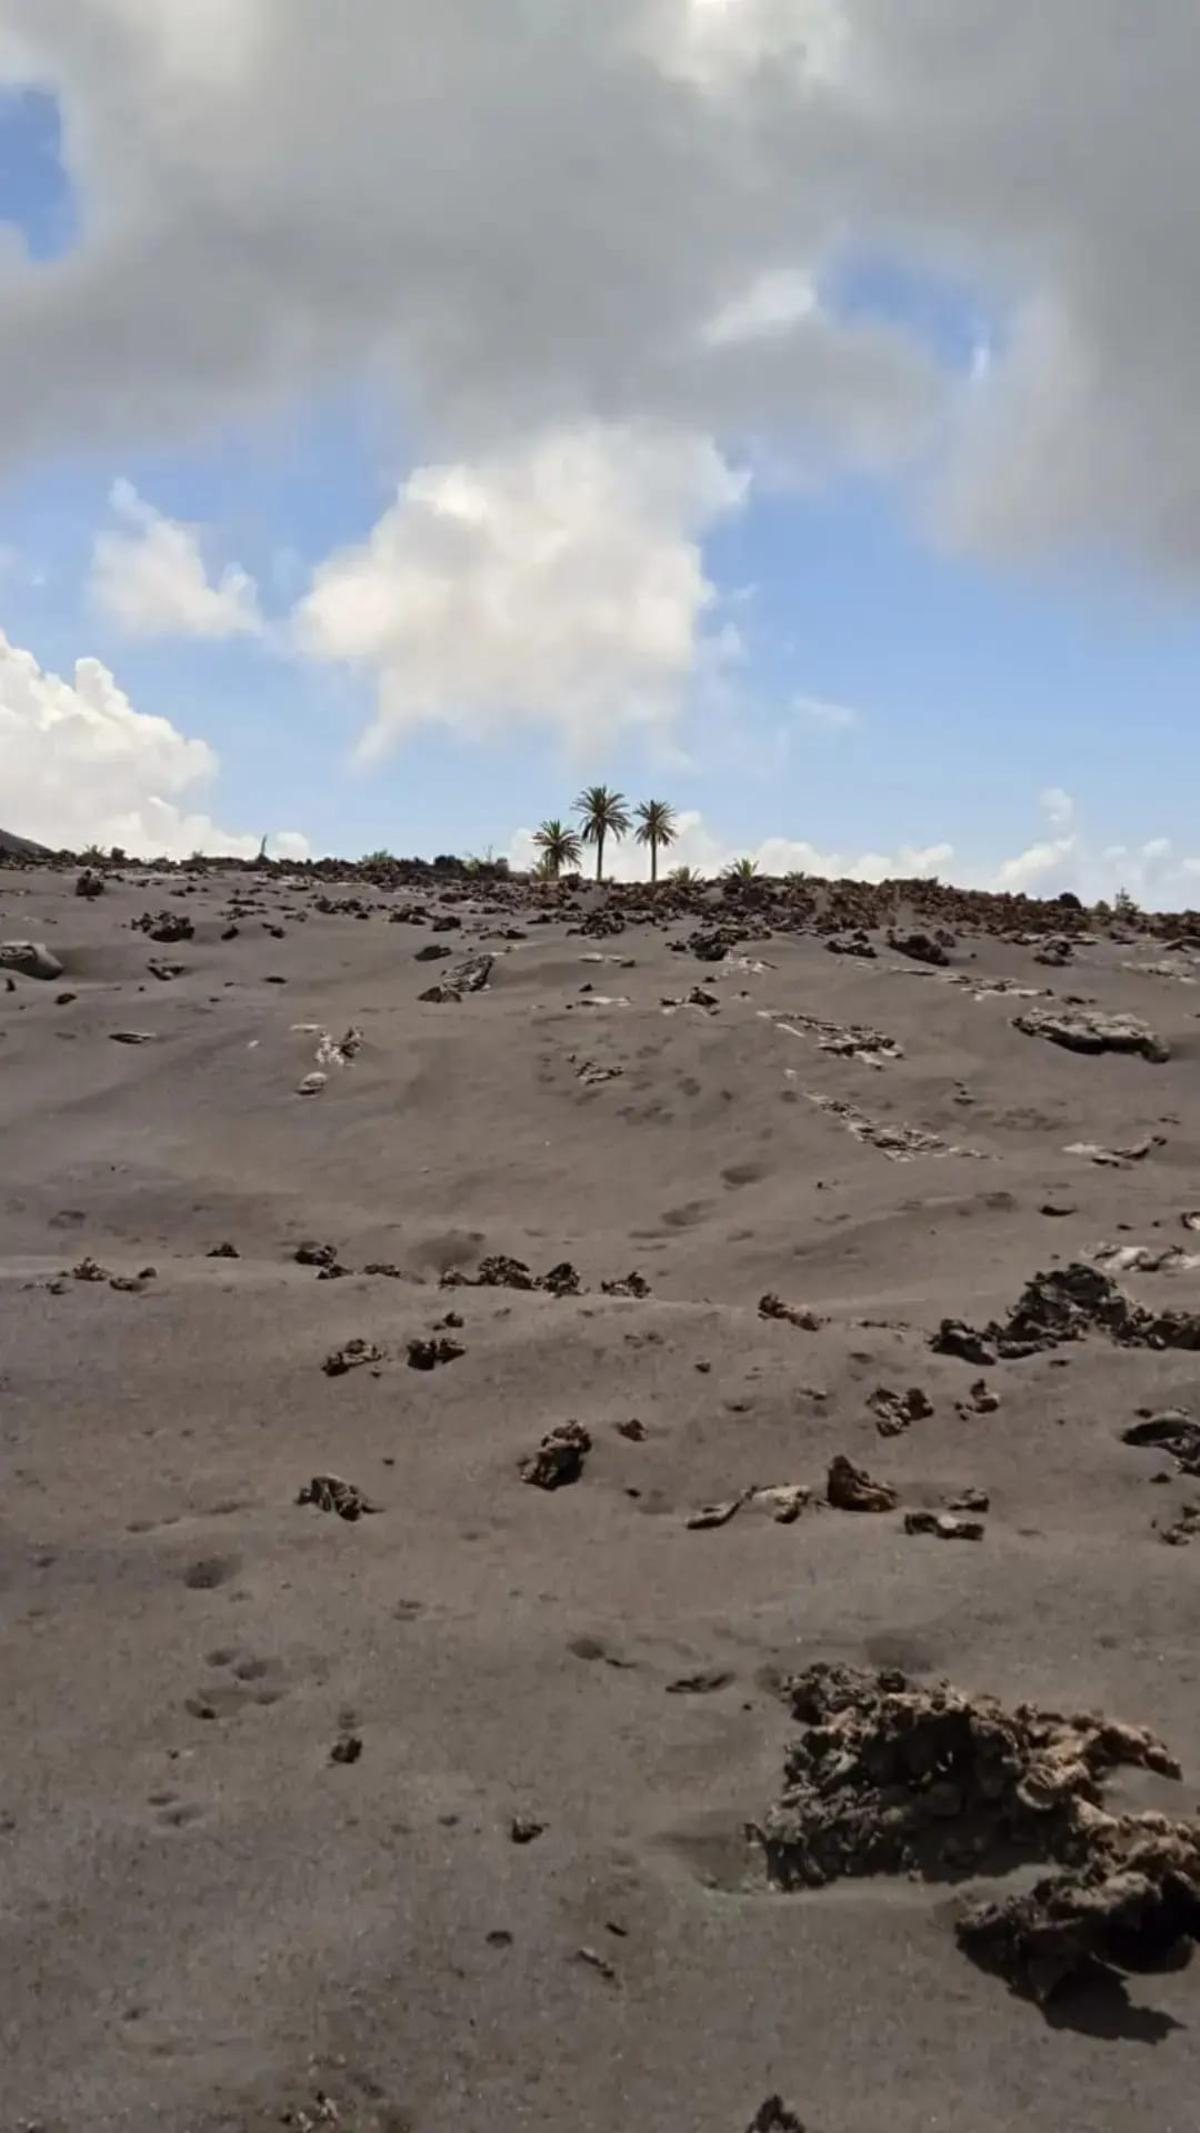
(656, 826)
(603, 814)
(741, 870)
(559, 847)
(687, 877)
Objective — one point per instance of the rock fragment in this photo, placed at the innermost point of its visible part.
(559, 1460)
(1133, 1905)
(472, 975)
(711, 1515)
(1172, 1431)
(30, 959)
(328, 1492)
(894, 1411)
(923, 947)
(165, 926)
(771, 1306)
(773, 2116)
(850, 1488)
(1080, 1030)
(634, 1285)
(430, 1354)
(353, 1356)
(893, 1777)
(1117, 1158)
(1066, 1305)
(943, 1525)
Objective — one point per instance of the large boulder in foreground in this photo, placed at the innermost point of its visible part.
(31, 958)
(1083, 1030)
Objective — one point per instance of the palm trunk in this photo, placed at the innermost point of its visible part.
(654, 862)
(600, 857)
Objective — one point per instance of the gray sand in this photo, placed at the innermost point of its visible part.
(205, 1921)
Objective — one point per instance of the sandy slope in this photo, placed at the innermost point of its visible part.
(205, 1922)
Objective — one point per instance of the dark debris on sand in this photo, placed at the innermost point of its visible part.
(559, 1458)
(1066, 1305)
(892, 1777)
(431, 1354)
(327, 1492)
(353, 1356)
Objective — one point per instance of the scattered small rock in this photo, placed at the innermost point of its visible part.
(347, 1748)
(429, 1354)
(773, 2116)
(923, 947)
(704, 1683)
(943, 1525)
(1065, 1305)
(711, 1515)
(770, 1306)
(329, 1493)
(894, 1411)
(353, 1356)
(525, 1829)
(850, 1488)
(1173, 1431)
(165, 926)
(559, 1460)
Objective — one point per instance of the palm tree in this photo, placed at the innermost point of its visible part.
(741, 870)
(656, 820)
(687, 877)
(559, 847)
(604, 814)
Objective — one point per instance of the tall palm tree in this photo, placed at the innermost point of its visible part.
(602, 814)
(558, 845)
(656, 825)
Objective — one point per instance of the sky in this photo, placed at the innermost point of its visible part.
(412, 411)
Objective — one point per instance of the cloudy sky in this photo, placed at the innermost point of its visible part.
(413, 409)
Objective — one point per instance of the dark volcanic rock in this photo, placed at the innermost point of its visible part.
(559, 1459)
(1082, 1030)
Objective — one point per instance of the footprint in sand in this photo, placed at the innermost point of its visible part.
(255, 1680)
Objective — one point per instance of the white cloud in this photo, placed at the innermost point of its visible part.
(772, 303)
(1057, 806)
(79, 766)
(558, 582)
(520, 214)
(515, 216)
(829, 717)
(1028, 870)
(699, 846)
(152, 580)
(1150, 871)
